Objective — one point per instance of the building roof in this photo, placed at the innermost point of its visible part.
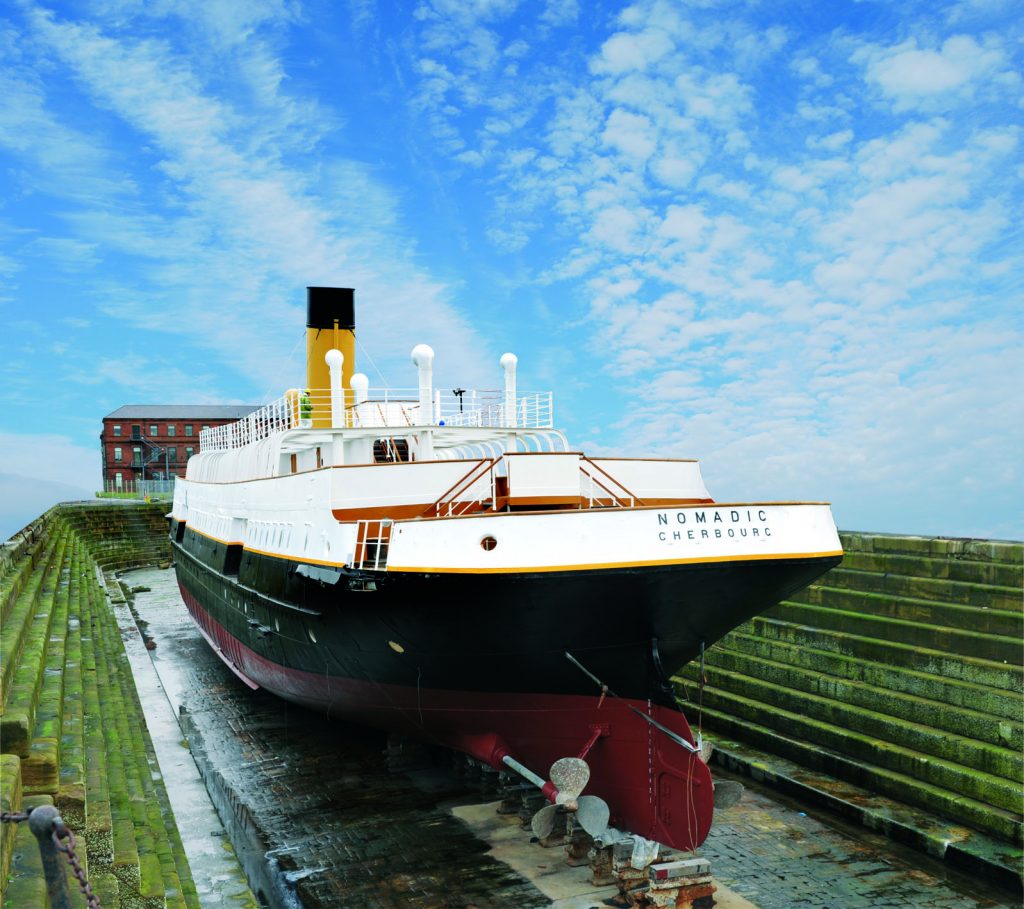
(181, 412)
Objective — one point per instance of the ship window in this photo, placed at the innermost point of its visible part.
(388, 451)
(488, 543)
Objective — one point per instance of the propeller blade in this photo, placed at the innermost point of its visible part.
(727, 793)
(544, 821)
(593, 814)
(570, 776)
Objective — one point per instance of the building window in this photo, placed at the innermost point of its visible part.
(206, 426)
(117, 454)
(118, 480)
(189, 452)
(137, 456)
(117, 429)
(154, 430)
(136, 431)
(173, 454)
(170, 429)
(188, 429)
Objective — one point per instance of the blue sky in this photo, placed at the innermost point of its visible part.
(783, 238)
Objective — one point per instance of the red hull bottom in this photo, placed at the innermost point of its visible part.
(654, 787)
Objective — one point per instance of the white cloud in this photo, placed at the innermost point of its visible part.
(720, 98)
(560, 12)
(632, 51)
(832, 142)
(810, 68)
(910, 75)
(684, 223)
(632, 135)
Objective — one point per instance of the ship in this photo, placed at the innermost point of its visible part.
(447, 566)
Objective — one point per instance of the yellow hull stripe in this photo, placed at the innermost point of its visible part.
(591, 566)
(273, 555)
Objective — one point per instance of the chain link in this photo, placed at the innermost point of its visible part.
(61, 832)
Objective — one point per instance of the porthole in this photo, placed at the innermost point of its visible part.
(488, 543)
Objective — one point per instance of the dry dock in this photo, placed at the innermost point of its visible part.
(318, 819)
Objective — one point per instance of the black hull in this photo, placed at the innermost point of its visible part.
(632, 628)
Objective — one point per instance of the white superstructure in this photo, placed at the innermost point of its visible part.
(413, 480)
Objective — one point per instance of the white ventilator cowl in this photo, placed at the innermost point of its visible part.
(423, 357)
(508, 362)
(335, 359)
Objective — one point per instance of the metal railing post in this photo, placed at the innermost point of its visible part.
(42, 822)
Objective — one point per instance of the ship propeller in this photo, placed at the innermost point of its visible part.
(727, 792)
(570, 777)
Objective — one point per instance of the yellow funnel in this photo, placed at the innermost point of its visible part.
(330, 323)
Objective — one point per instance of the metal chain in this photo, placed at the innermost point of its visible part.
(60, 832)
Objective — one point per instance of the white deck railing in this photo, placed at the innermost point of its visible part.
(277, 416)
(384, 407)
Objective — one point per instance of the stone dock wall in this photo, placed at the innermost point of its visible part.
(901, 672)
(72, 731)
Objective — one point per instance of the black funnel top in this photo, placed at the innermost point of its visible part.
(325, 304)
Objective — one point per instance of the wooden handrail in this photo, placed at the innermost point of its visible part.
(467, 479)
(636, 499)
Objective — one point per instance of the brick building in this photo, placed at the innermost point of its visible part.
(155, 441)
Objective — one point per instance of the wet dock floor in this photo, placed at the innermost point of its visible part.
(319, 820)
